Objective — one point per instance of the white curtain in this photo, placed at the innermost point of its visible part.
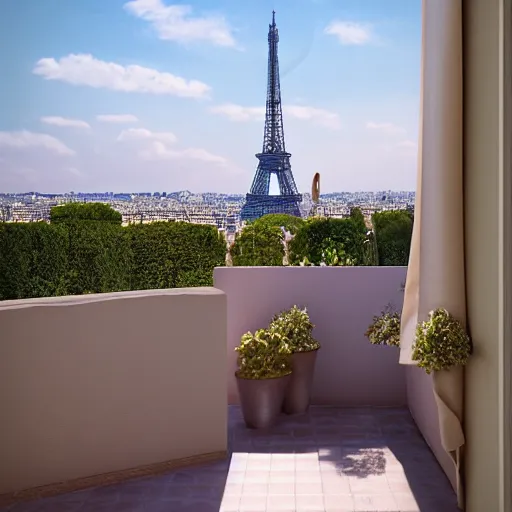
(435, 276)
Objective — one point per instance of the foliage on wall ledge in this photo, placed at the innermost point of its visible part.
(385, 328)
(441, 342)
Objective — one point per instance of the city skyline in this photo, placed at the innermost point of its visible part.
(145, 95)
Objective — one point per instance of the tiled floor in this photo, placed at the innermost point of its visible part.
(332, 459)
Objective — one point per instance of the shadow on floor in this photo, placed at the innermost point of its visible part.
(342, 459)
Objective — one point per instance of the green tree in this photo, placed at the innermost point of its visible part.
(258, 245)
(289, 222)
(393, 232)
(317, 235)
(84, 211)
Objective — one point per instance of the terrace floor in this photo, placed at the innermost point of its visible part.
(332, 459)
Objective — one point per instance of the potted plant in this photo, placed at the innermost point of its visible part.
(441, 342)
(385, 328)
(264, 371)
(295, 325)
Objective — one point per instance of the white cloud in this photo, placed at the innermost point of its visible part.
(25, 139)
(159, 151)
(350, 33)
(238, 112)
(84, 69)
(143, 134)
(315, 115)
(117, 118)
(65, 122)
(159, 146)
(388, 128)
(176, 23)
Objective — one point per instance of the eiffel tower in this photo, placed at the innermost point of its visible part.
(273, 159)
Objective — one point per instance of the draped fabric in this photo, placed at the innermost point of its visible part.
(435, 276)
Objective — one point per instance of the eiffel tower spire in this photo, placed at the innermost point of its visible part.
(273, 158)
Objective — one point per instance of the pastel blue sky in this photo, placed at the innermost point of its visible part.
(149, 95)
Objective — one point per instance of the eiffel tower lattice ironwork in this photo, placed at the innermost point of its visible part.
(273, 159)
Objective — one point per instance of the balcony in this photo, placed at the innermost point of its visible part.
(127, 402)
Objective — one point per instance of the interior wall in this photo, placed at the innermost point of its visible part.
(482, 241)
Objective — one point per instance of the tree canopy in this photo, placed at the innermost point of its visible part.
(84, 211)
(258, 245)
(289, 222)
(317, 235)
(393, 232)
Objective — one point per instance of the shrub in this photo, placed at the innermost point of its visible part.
(86, 256)
(441, 342)
(33, 260)
(84, 211)
(258, 245)
(276, 220)
(98, 258)
(174, 254)
(263, 355)
(385, 328)
(317, 235)
(295, 325)
(393, 232)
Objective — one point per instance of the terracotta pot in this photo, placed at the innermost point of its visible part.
(262, 399)
(298, 393)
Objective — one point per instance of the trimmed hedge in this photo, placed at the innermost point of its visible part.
(99, 258)
(174, 254)
(86, 250)
(33, 260)
(393, 232)
(85, 211)
(258, 245)
(77, 257)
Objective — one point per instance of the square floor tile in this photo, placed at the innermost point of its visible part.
(375, 502)
(312, 477)
(310, 502)
(256, 477)
(282, 477)
(233, 489)
(230, 504)
(369, 485)
(235, 477)
(339, 503)
(308, 488)
(255, 503)
(281, 502)
(281, 488)
(254, 489)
